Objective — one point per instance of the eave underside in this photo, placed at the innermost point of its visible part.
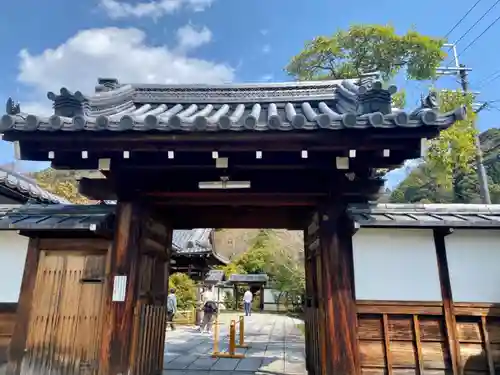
(295, 170)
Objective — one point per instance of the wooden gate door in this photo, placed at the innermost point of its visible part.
(64, 332)
(149, 339)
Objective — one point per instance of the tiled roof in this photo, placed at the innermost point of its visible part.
(56, 217)
(248, 278)
(335, 104)
(214, 277)
(195, 242)
(192, 241)
(426, 215)
(27, 187)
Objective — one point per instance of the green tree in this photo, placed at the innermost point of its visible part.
(184, 289)
(450, 155)
(60, 184)
(365, 49)
(422, 184)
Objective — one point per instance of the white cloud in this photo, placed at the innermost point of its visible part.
(397, 175)
(264, 31)
(113, 52)
(154, 9)
(188, 37)
(266, 48)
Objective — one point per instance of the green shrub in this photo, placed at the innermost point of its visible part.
(184, 290)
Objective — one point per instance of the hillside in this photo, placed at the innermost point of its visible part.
(231, 242)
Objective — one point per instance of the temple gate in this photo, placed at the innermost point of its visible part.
(281, 155)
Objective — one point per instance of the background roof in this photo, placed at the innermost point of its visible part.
(26, 187)
(426, 215)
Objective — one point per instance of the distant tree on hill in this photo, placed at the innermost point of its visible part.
(63, 184)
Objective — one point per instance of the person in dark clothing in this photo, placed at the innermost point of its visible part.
(209, 312)
(171, 308)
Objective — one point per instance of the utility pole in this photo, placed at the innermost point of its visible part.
(463, 72)
(481, 171)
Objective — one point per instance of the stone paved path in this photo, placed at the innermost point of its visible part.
(276, 348)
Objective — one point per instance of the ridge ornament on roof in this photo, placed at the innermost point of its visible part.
(331, 105)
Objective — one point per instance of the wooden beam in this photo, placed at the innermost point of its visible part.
(235, 199)
(188, 217)
(129, 186)
(191, 159)
(446, 293)
(20, 334)
(339, 300)
(123, 260)
(342, 139)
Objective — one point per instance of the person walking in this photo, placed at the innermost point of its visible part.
(171, 308)
(247, 302)
(210, 310)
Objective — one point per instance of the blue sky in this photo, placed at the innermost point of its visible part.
(52, 43)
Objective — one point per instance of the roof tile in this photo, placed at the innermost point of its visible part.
(331, 105)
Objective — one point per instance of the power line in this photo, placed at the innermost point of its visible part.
(488, 79)
(477, 22)
(480, 35)
(461, 19)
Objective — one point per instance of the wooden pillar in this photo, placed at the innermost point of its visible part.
(449, 316)
(235, 293)
(123, 260)
(262, 298)
(20, 334)
(314, 345)
(337, 287)
(308, 307)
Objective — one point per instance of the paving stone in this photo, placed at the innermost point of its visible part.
(202, 364)
(226, 364)
(276, 347)
(249, 364)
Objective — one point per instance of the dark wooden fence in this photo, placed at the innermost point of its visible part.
(149, 340)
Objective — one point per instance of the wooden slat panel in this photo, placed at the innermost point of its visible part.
(431, 328)
(149, 333)
(370, 327)
(372, 354)
(469, 330)
(416, 344)
(65, 326)
(403, 354)
(401, 328)
(435, 355)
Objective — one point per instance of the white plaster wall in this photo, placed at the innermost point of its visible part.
(474, 265)
(395, 265)
(13, 249)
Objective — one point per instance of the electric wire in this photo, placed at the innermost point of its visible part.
(479, 36)
(472, 27)
(477, 22)
(461, 19)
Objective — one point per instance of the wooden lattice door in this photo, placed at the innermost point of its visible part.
(64, 333)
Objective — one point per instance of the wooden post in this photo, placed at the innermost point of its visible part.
(123, 260)
(235, 293)
(308, 309)
(449, 316)
(20, 334)
(338, 299)
(262, 298)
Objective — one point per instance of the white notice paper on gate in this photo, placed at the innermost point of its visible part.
(119, 288)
